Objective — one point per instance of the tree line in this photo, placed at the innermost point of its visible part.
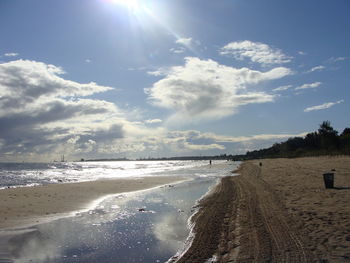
(324, 141)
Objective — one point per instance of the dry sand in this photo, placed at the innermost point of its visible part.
(33, 205)
(279, 212)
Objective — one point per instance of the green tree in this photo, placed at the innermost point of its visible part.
(345, 141)
(329, 136)
(346, 132)
(326, 129)
(312, 141)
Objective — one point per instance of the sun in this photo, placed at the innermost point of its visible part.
(130, 4)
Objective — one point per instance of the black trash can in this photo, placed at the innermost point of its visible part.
(328, 180)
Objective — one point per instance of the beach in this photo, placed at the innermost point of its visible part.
(136, 219)
(25, 206)
(278, 211)
(270, 210)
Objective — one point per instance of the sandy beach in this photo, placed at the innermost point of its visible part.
(33, 205)
(277, 212)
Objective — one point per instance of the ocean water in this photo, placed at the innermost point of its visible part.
(146, 226)
(30, 174)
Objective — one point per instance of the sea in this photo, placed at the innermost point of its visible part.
(31, 174)
(146, 226)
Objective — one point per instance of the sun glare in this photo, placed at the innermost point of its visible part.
(131, 4)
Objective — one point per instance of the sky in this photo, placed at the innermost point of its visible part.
(162, 78)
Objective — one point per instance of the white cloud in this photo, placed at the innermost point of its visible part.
(259, 137)
(152, 121)
(337, 59)
(256, 52)
(205, 90)
(31, 80)
(283, 88)
(196, 135)
(184, 41)
(323, 106)
(340, 58)
(204, 147)
(11, 54)
(302, 53)
(43, 115)
(43, 111)
(137, 69)
(190, 141)
(179, 50)
(156, 73)
(317, 68)
(159, 72)
(88, 60)
(309, 86)
(162, 142)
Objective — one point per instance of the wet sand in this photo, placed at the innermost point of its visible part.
(33, 205)
(277, 212)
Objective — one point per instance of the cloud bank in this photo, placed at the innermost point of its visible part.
(42, 113)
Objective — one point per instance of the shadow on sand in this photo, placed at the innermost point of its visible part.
(341, 188)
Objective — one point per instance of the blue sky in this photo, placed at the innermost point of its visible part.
(137, 78)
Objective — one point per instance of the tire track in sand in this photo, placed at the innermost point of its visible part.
(243, 221)
(268, 228)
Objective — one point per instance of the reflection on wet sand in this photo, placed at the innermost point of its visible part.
(33, 245)
(117, 229)
(170, 231)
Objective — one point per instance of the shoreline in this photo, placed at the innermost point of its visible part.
(28, 206)
(277, 212)
(196, 209)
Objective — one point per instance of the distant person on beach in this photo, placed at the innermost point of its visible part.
(209, 162)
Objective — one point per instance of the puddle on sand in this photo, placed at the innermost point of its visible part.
(149, 226)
